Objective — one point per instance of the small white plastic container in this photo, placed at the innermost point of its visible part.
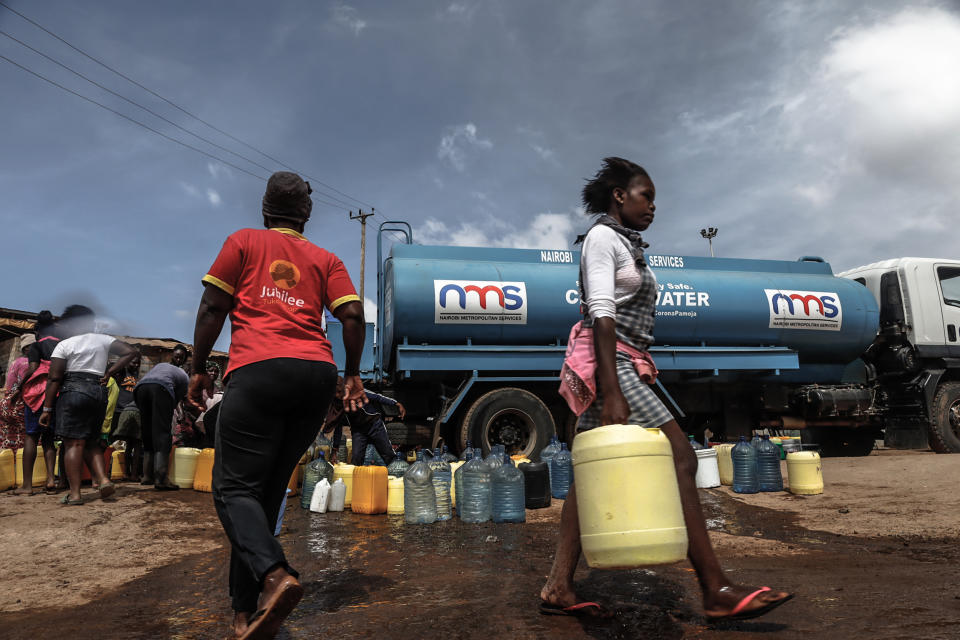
(708, 472)
(321, 496)
(338, 494)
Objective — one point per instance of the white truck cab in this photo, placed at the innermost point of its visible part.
(917, 352)
(929, 296)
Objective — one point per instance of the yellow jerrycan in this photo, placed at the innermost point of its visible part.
(39, 469)
(627, 498)
(453, 485)
(345, 473)
(203, 476)
(8, 471)
(395, 496)
(725, 463)
(117, 462)
(369, 489)
(183, 466)
(804, 473)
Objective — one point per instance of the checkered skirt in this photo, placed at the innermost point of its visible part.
(646, 409)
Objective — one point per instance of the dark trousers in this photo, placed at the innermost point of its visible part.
(375, 434)
(156, 417)
(270, 413)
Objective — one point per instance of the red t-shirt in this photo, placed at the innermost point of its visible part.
(280, 283)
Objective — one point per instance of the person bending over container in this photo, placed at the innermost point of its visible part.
(366, 426)
(281, 376)
(157, 394)
(77, 379)
(619, 294)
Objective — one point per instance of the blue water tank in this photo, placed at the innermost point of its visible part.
(449, 295)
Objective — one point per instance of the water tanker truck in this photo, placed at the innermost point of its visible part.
(471, 341)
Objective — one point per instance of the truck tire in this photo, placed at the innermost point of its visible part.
(409, 435)
(944, 427)
(509, 416)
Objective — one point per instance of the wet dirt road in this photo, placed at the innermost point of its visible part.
(372, 576)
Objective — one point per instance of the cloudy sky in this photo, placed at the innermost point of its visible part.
(797, 128)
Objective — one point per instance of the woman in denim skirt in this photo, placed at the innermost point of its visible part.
(76, 384)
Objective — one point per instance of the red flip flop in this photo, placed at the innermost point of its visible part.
(738, 614)
(579, 610)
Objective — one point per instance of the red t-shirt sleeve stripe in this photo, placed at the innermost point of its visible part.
(338, 288)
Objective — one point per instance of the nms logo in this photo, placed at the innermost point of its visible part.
(818, 310)
(479, 302)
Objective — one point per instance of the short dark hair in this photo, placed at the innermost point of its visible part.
(181, 347)
(616, 172)
(76, 311)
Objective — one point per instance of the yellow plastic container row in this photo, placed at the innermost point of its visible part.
(453, 485)
(627, 497)
(203, 476)
(369, 489)
(345, 473)
(725, 463)
(395, 496)
(805, 473)
(117, 462)
(39, 469)
(183, 465)
(8, 471)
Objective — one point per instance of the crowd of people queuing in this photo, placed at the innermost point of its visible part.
(73, 393)
(281, 375)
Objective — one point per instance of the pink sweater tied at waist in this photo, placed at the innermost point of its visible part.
(578, 376)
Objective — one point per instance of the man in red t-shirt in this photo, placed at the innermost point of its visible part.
(281, 378)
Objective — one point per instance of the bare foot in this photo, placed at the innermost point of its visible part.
(720, 604)
(240, 621)
(559, 595)
(23, 491)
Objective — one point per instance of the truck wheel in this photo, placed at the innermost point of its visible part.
(512, 417)
(944, 427)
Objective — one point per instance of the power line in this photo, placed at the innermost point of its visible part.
(147, 127)
(178, 107)
(126, 117)
(341, 204)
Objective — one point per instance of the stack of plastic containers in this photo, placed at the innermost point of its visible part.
(536, 484)
(441, 484)
(744, 467)
(419, 496)
(475, 501)
(561, 473)
(395, 496)
(458, 479)
(549, 451)
(369, 489)
(769, 477)
(397, 467)
(508, 494)
(313, 472)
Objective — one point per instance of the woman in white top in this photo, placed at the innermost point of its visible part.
(620, 307)
(76, 385)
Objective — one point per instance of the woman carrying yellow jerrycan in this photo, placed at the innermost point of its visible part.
(606, 380)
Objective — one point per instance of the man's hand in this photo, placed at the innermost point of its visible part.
(44, 420)
(615, 408)
(401, 410)
(353, 394)
(199, 382)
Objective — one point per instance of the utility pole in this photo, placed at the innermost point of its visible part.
(709, 233)
(362, 217)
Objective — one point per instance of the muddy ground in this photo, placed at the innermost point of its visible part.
(875, 557)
